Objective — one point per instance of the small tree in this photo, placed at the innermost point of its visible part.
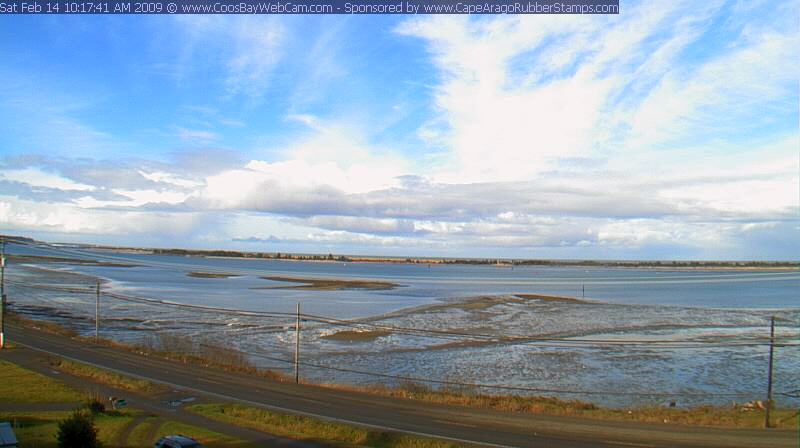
(95, 405)
(77, 431)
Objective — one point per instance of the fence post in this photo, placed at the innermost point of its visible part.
(769, 371)
(3, 293)
(297, 346)
(2, 321)
(97, 314)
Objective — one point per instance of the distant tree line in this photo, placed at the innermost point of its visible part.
(476, 261)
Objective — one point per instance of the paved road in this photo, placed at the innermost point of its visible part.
(460, 424)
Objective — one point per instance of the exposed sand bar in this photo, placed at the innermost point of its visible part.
(356, 336)
(322, 284)
(543, 298)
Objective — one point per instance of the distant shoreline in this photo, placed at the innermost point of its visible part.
(507, 263)
(493, 262)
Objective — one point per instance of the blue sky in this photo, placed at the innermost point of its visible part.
(669, 131)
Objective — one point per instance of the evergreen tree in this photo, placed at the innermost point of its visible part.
(77, 431)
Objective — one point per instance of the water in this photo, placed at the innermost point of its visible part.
(713, 307)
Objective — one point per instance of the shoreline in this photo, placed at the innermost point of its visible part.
(498, 262)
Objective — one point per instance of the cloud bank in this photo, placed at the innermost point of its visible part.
(655, 134)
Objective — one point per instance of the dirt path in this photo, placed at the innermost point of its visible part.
(121, 439)
(152, 430)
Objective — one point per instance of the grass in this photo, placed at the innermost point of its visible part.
(38, 429)
(167, 346)
(201, 351)
(110, 424)
(35, 429)
(47, 327)
(18, 385)
(202, 435)
(311, 429)
(696, 416)
(329, 284)
(106, 377)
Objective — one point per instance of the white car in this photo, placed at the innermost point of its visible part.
(177, 441)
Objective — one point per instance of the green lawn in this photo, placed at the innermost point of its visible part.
(18, 385)
(38, 429)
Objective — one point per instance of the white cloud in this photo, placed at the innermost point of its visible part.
(589, 133)
(38, 178)
(256, 52)
(31, 216)
(164, 177)
(726, 93)
(135, 198)
(197, 136)
(248, 47)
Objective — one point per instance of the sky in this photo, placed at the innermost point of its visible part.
(669, 131)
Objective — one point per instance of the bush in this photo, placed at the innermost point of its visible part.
(95, 406)
(77, 431)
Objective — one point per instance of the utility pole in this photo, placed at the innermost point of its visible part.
(3, 293)
(769, 372)
(97, 313)
(297, 346)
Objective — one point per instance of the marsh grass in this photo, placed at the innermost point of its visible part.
(109, 378)
(188, 350)
(723, 416)
(201, 351)
(311, 429)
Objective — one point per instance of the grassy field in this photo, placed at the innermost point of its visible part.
(18, 385)
(310, 429)
(130, 427)
(106, 377)
(39, 429)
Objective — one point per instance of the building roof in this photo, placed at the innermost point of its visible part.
(7, 437)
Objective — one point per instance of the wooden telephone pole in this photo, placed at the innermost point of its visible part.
(297, 346)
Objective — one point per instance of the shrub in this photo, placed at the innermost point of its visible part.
(95, 406)
(77, 431)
